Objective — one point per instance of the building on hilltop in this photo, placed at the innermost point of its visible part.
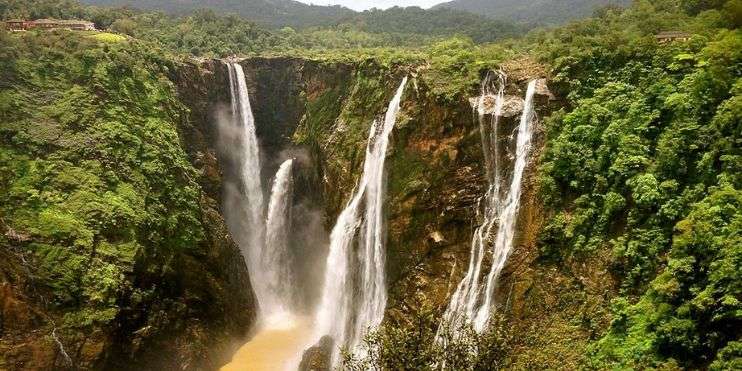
(49, 24)
(16, 25)
(668, 36)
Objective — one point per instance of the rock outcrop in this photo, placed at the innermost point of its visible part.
(317, 358)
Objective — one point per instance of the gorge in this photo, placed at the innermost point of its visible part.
(341, 311)
(248, 200)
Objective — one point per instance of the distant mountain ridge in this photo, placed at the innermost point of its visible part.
(535, 11)
(268, 12)
(443, 22)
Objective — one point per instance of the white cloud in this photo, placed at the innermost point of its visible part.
(368, 4)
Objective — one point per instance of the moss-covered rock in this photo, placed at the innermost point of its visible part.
(115, 254)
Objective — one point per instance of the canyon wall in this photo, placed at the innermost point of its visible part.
(122, 260)
(189, 308)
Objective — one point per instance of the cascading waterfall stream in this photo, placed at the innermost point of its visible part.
(472, 302)
(249, 174)
(265, 252)
(465, 298)
(275, 257)
(354, 293)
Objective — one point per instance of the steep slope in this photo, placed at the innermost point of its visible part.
(538, 11)
(114, 254)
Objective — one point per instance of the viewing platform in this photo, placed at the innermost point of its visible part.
(49, 24)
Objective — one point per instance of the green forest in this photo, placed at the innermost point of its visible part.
(537, 11)
(113, 245)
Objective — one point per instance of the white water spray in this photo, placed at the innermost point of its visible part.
(265, 251)
(354, 293)
(249, 174)
(276, 257)
(472, 302)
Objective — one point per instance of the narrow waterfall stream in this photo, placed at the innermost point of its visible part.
(472, 302)
(249, 173)
(276, 257)
(354, 293)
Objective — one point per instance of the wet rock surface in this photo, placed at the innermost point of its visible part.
(317, 358)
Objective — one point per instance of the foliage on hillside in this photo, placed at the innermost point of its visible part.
(91, 167)
(647, 162)
(395, 21)
(206, 32)
(273, 13)
(534, 11)
(436, 22)
(410, 347)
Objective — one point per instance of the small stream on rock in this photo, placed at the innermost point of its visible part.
(492, 242)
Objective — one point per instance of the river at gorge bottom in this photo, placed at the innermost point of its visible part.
(273, 348)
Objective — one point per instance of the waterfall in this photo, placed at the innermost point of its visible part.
(471, 303)
(275, 257)
(354, 293)
(249, 173)
(264, 244)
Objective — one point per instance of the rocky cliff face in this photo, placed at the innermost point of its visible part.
(434, 167)
(121, 301)
(435, 177)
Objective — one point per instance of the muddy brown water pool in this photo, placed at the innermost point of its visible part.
(273, 349)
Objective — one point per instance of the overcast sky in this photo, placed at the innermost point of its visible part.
(367, 4)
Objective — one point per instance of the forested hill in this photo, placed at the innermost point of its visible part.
(397, 20)
(269, 12)
(434, 22)
(534, 11)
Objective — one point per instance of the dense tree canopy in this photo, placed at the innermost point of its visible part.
(533, 11)
(649, 160)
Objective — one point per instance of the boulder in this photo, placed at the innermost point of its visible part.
(318, 357)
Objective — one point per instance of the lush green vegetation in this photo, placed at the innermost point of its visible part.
(647, 162)
(436, 23)
(402, 23)
(92, 170)
(644, 159)
(534, 11)
(205, 32)
(273, 13)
